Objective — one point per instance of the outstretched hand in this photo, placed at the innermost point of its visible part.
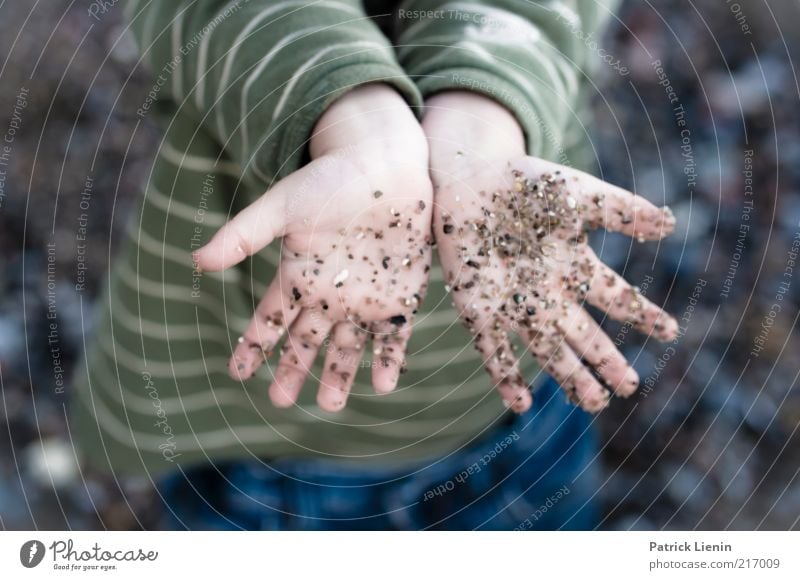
(511, 232)
(355, 254)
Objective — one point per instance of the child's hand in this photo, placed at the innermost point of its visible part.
(511, 235)
(355, 224)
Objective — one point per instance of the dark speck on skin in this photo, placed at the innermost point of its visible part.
(398, 320)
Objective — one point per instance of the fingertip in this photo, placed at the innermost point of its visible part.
(384, 385)
(515, 394)
(237, 369)
(205, 260)
(283, 393)
(385, 376)
(666, 328)
(521, 403)
(330, 399)
(628, 384)
(665, 223)
(587, 394)
(218, 254)
(334, 388)
(247, 358)
(595, 402)
(199, 261)
(384, 389)
(650, 223)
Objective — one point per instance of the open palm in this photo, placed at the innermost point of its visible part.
(512, 239)
(355, 256)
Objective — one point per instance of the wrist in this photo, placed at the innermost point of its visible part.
(373, 113)
(465, 127)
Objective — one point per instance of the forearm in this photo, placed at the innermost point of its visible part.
(259, 74)
(527, 56)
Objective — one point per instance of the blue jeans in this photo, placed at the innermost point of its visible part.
(538, 471)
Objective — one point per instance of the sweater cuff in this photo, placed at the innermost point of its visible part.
(292, 147)
(543, 137)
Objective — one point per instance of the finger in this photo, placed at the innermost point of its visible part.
(258, 224)
(341, 366)
(390, 341)
(249, 231)
(561, 363)
(618, 210)
(611, 293)
(593, 345)
(603, 204)
(274, 314)
(297, 356)
(501, 364)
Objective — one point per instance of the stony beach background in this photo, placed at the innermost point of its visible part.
(695, 105)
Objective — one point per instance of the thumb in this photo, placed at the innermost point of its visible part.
(254, 227)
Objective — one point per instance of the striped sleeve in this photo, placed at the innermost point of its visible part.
(259, 73)
(527, 55)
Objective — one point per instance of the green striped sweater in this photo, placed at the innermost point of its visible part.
(237, 88)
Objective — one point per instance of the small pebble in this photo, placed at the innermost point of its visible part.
(340, 278)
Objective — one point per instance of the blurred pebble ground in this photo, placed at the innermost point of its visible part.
(704, 445)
